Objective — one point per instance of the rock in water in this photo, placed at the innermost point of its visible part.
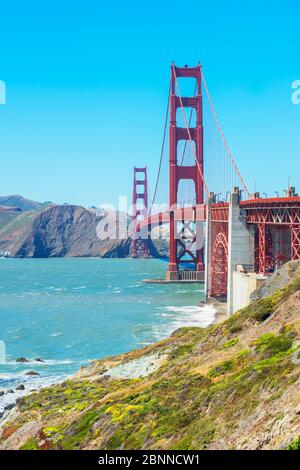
(20, 387)
(22, 359)
(9, 406)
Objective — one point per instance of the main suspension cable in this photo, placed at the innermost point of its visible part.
(222, 133)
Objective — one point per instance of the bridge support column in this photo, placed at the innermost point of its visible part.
(241, 239)
(172, 273)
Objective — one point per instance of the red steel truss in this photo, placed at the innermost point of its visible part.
(262, 248)
(139, 246)
(275, 218)
(219, 212)
(295, 241)
(219, 250)
(219, 259)
(276, 211)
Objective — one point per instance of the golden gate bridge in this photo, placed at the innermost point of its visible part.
(215, 224)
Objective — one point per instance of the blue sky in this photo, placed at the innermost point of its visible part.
(87, 83)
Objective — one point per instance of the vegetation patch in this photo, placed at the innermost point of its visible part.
(31, 444)
(270, 345)
(221, 369)
(120, 411)
(229, 344)
(295, 445)
(76, 436)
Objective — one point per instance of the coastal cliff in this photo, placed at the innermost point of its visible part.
(233, 385)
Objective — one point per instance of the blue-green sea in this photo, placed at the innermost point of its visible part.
(68, 312)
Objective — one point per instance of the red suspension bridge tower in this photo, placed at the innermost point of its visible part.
(183, 237)
(139, 245)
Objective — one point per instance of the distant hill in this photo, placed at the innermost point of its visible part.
(20, 202)
(62, 231)
(12, 206)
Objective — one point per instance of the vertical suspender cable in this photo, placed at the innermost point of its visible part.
(222, 135)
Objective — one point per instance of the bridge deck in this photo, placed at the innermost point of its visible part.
(255, 208)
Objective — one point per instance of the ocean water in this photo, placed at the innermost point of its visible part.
(70, 311)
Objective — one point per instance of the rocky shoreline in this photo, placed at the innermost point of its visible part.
(139, 369)
(21, 389)
(232, 385)
(16, 394)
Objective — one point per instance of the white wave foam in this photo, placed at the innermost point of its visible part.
(44, 362)
(8, 376)
(189, 315)
(30, 383)
(12, 380)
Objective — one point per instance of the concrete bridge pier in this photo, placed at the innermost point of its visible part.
(241, 247)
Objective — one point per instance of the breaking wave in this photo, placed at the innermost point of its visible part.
(178, 317)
